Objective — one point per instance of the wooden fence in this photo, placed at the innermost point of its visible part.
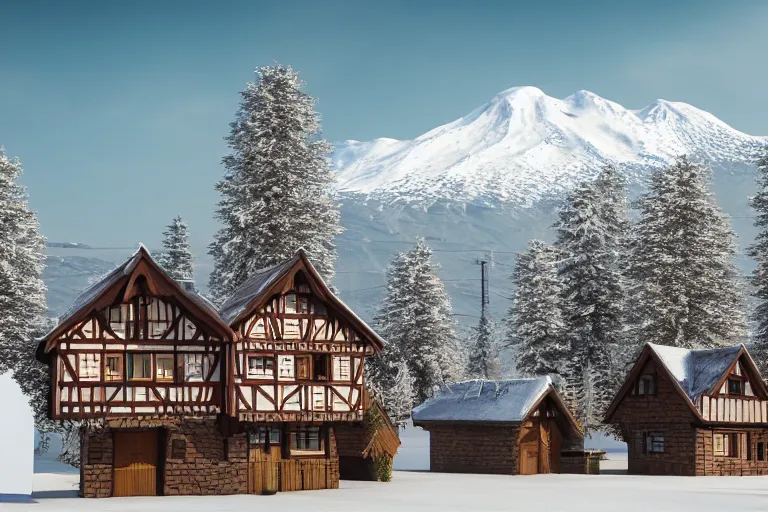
(269, 477)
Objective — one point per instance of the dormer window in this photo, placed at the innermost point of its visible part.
(735, 387)
(646, 385)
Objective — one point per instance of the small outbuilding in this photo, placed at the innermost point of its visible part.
(17, 442)
(519, 426)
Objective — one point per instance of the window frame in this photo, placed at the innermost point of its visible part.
(169, 356)
(305, 432)
(265, 359)
(259, 436)
(647, 380)
(654, 443)
(120, 366)
(131, 368)
(730, 442)
(96, 363)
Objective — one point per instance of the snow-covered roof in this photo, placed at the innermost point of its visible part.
(482, 400)
(253, 287)
(697, 371)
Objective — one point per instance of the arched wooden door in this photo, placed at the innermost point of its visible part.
(135, 463)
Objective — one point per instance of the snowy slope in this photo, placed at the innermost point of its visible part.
(524, 145)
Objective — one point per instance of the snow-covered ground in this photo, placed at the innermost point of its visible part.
(423, 491)
(55, 487)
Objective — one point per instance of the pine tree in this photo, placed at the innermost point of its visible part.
(176, 258)
(415, 319)
(277, 187)
(759, 251)
(534, 320)
(685, 286)
(484, 352)
(591, 237)
(390, 381)
(22, 292)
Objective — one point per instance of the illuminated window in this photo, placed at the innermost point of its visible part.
(140, 366)
(113, 367)
(164, 364)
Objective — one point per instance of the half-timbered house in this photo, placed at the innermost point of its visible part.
(693, 412)
(296, 372)
(142, 363)
(177, 397)
(519, 426)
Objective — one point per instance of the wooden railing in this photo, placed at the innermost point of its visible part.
(733, 410)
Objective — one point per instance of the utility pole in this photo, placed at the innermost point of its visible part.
(484, 299)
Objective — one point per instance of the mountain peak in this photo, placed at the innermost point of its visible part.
(524, 145)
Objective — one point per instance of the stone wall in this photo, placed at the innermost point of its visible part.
(198, 460)
(707, 463)
(466, 449)
(665, 412)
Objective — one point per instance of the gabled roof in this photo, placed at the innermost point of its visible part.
(260, 287)
(118, 282)
(481, 401)
(694, 372)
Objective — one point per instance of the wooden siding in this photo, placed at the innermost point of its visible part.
(732, 410)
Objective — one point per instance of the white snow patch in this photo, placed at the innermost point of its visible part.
(16, 440)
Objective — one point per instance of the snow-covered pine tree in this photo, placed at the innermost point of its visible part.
(685, 283)
(534, 319)
(276, 191)
(759, 252)
(390, 381)
(484, 360)
(22, 256)
(176, 258)
(591, 236)
(415, 319)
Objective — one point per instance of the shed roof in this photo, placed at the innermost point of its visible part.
(484, 401)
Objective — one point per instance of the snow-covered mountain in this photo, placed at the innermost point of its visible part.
(524, 145)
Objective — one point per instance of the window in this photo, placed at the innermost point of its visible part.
(117, 317)
(113, 367)
(302, 367)
(260, 367)
(726, 445)
(646, 385)
(760, 451)
(164, 364)
(306, 440)
(303, 305)
(290, 304)
(655, 443)
(90, 366)
(194, 366)
(735, 387)
(341, 368)
(320, 364)
(262, 433)
(140, 366)
(285, 368)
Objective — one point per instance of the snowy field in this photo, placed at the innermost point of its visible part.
(613, 491)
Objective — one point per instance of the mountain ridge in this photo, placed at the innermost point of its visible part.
(524, 145)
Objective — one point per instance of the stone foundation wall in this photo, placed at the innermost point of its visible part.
(197, 461)
(575, 465)
(459, 449)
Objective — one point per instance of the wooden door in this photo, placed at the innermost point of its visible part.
(544, 448)
(529, 449)
(555, 446)
(264, 469)
(135, 463)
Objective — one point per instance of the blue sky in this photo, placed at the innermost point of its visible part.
(118, 109)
